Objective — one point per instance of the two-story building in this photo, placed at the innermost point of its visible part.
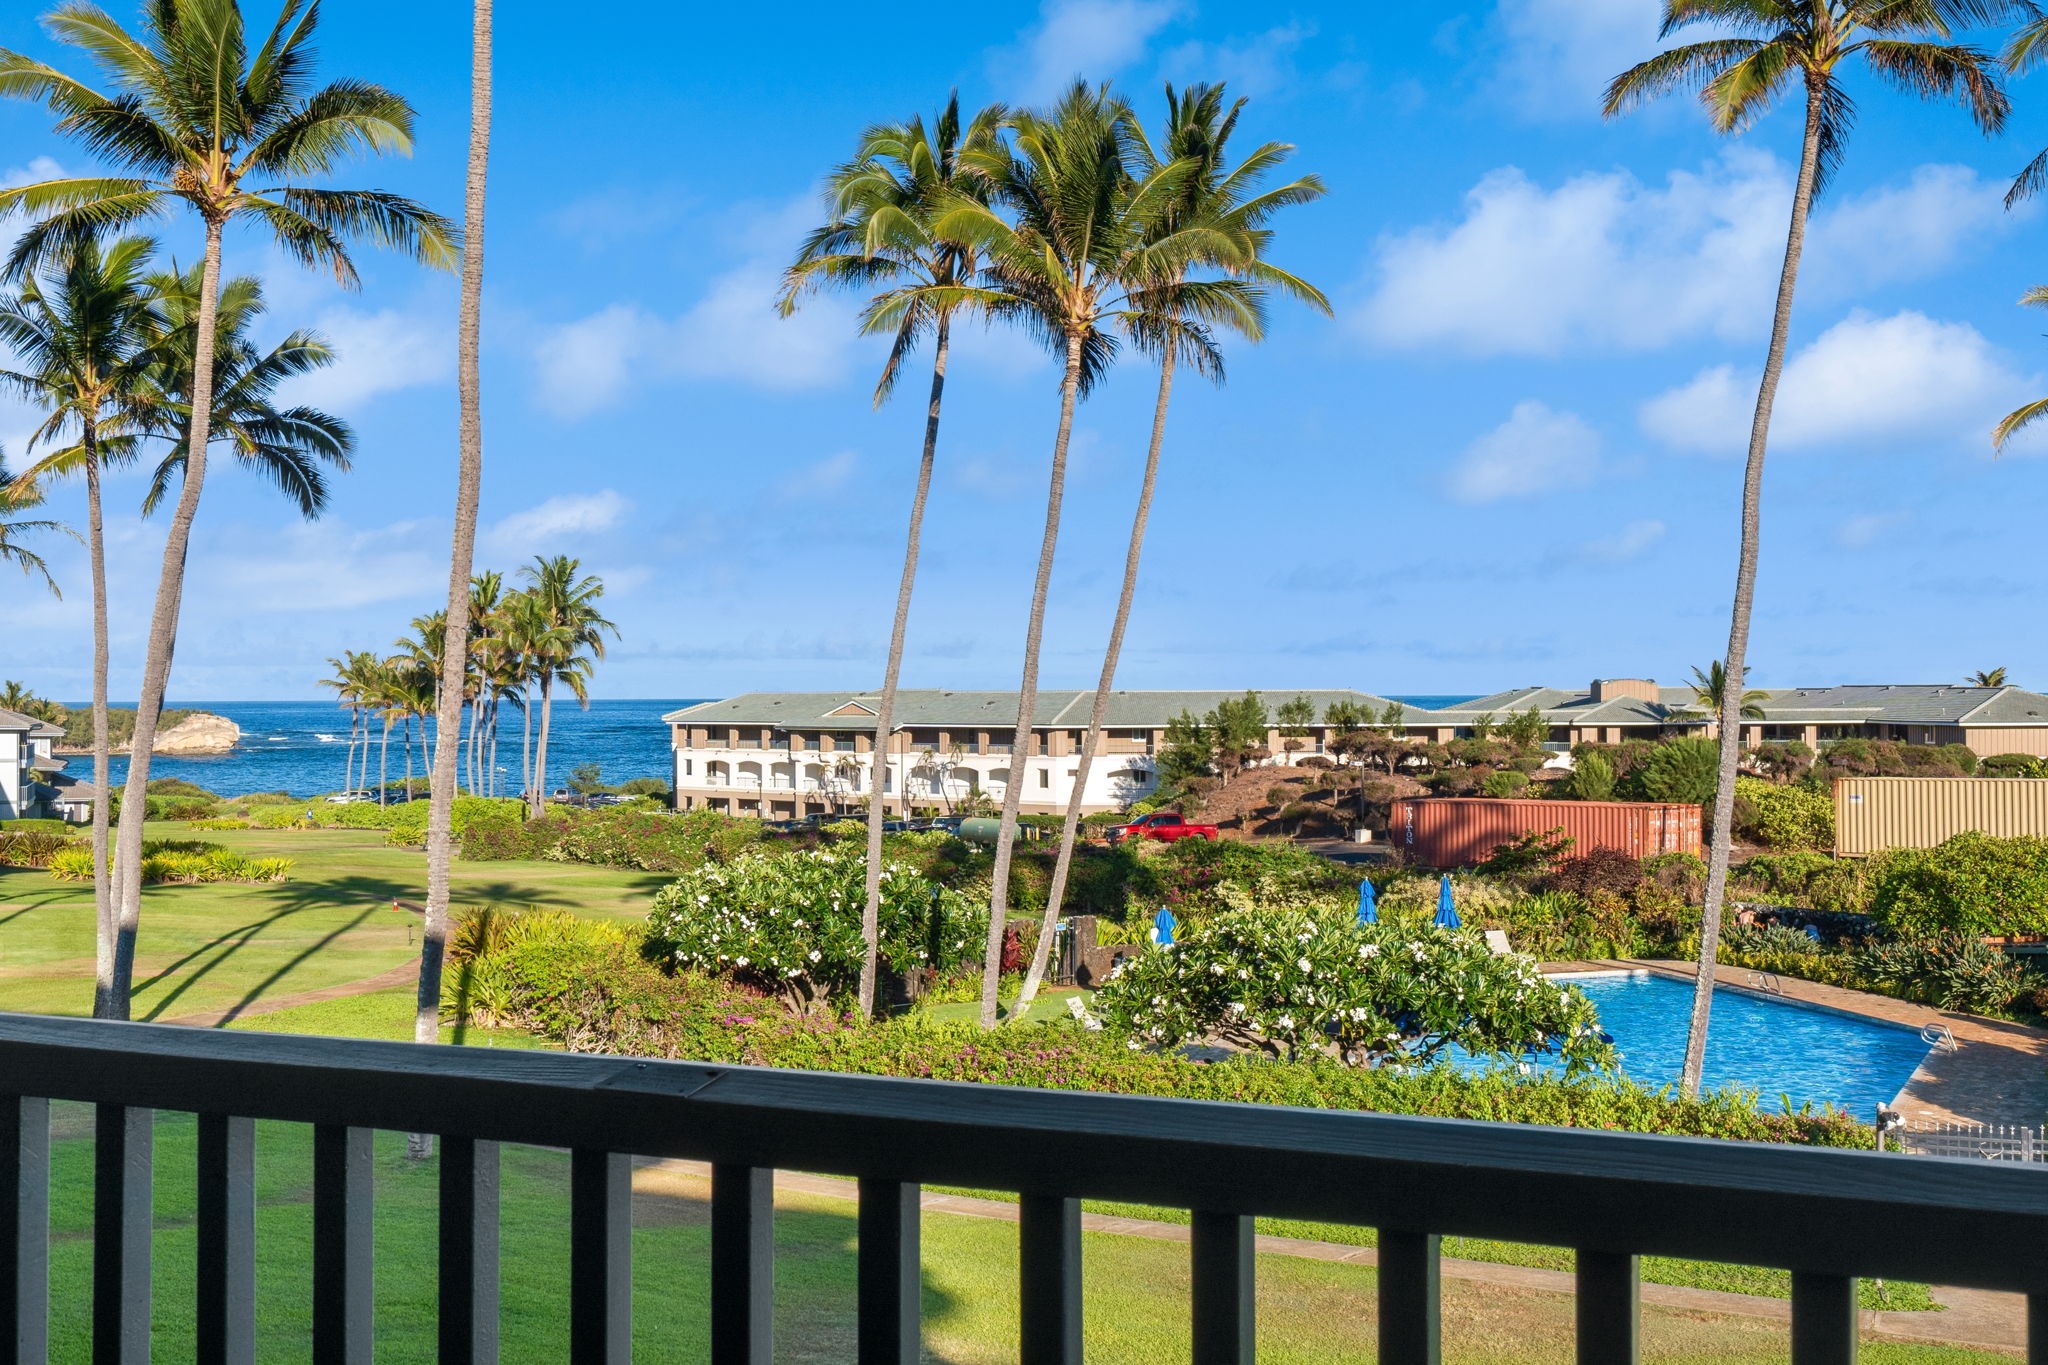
(25, 749)
(779, 755)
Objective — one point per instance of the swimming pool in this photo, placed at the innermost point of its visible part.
(1769, 1046)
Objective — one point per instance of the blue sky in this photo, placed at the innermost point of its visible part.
(1512, 457)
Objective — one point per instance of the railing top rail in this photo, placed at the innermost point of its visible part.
(1955, 1221)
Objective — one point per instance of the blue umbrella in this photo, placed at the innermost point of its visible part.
(1162, 927)
(1368, 904)
(1446, 909)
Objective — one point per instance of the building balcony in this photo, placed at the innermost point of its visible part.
(1827, 1216)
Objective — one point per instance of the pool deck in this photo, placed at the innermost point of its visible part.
(1997, 1074)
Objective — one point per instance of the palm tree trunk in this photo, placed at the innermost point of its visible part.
(468, 488)
(526, 752)
(102, 814)
(540, 750)
(1723, 835)
(406, 740)
(163, 636)
(885, 708)
(384, 763)
(1027, 693)
(1070, 830)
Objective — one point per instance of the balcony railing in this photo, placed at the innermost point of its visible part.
(1827, 1216)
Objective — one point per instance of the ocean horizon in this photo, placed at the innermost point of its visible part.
(301, 747)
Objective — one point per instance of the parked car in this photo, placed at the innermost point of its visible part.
(1164, 826)
(355, 798)
(949, 823)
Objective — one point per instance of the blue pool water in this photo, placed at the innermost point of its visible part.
(1767, 1046)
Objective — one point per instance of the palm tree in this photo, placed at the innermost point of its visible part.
(287, 446)
(486, 593)
(1084, 238)
(1988, 677)
(469, 478)
(566, 600)
(880, 234)
(16, 496)
(351, 684)
(1901, 42)
(1224, 204)
(81, 335)
(16, 697)
(1710, 687)
(199, 120)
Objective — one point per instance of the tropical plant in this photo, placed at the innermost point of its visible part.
(18, 495)
(1763, 47)
(880, 234)
(79, 331)
(455, 661)
(1987, 677)
(1080, 243)
(1216, 218)
(287, 446)
(1300, 983)
(199, 120)
(1708, 687)
(565, 600)
(1592, 778)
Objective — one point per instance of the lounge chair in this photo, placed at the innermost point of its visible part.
(1497, 940)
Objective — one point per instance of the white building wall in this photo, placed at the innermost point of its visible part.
(13, 772)
(1114, 780)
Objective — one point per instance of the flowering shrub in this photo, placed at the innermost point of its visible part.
(1475, 896)
(1288, 983)
(1197, 877)
(791, 924)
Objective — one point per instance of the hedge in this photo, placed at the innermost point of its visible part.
(1971, 883)
(587, 986)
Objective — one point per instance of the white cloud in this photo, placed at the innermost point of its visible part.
(1536, 450)
(1862, 532)
(732, 332)
(1562, 53)
(1091, 39)
(825, 476)
(583, 365)
(376, 353)
(1604, 262)
(568, 515)
(39, 168)
(329, 566)
(1867, 379)
(1625, 544)
(1260, 65)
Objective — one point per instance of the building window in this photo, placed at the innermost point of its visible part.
(1045, 777)
(688, 770)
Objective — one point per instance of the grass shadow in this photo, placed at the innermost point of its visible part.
(256, 992)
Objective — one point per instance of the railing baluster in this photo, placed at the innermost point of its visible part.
(1223, 1289)
(24, 1230)
(891, 1283)
(742, 1265)
(1609, 1309)
(1823, 1319)
(343, 1258)
(601, 1258)
(1411, 1326)
(1049, 1280)
(224, 1322)
(122, 1228)
(2037, 1329)
(469, 1252)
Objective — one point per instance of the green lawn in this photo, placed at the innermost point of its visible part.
(1136, 1290)
(205, 949)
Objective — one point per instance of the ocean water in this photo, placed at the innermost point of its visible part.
(1772, 1047)
(301, 747)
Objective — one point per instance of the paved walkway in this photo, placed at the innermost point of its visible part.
(1998, 1072)
(1973, 1318)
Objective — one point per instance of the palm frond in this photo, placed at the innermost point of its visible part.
(1689, 69)
(1955, 71)
(2017, 421)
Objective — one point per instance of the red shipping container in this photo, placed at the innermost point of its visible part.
(1459, 831)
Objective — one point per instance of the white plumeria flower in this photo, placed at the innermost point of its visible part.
(1302, 963)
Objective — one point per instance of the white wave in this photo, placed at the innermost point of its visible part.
(328, 739)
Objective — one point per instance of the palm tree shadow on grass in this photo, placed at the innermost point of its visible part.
(237, 939)
(257, 991)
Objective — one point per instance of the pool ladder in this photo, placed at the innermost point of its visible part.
(1765, 981)
(1936, 1034)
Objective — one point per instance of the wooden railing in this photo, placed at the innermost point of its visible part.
(1827, 1216)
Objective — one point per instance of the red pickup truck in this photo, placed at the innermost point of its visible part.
(1165, 826)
